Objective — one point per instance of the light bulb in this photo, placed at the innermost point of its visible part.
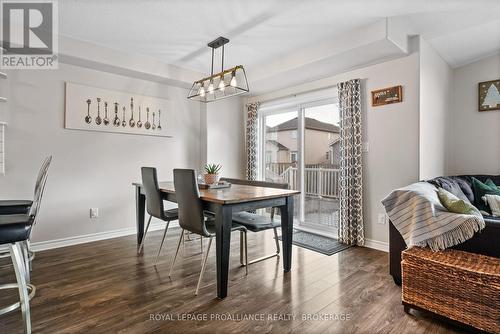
(222, 85)
(211, 87)
(233, 82)
(202, 91)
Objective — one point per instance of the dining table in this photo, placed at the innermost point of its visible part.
(223, 203)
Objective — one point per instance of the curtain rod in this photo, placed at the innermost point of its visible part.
(301, 93)
(283, 97)
(296, 94)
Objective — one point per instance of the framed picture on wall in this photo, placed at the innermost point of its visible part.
(489, 95)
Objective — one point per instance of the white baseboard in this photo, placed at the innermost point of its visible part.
(378, 245)
(64, 242)
(70, 241)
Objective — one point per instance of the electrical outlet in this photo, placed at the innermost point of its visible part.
(381, 218)
(366, 147)
(94, 212)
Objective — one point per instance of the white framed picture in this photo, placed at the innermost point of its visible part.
(97, 109)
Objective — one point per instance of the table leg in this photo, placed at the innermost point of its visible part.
(287, 232)
(140, 206)
(223, 222)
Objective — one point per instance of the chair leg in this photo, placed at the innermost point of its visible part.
(161, 244)
(276, 240)
(203, 266)
(246, 252)
(176, 252)
(24, 247)
(19, 268)
(141, 246)
(242, 248)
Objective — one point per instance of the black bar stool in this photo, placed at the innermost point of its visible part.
(14, 231)
(12, 207)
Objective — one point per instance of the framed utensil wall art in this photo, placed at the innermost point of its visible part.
(97, 109)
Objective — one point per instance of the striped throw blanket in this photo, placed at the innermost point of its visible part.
(422, 220)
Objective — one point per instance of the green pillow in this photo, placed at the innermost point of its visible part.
(481, 189)
(454, 204)
(490, 183)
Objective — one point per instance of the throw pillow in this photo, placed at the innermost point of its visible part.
(481, 189)
(494, 203)
(450, 184)
(454, 204)
(490, 183)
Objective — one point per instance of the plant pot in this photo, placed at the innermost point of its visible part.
(211, 178)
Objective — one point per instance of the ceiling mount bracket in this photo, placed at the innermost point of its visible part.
(216, 43)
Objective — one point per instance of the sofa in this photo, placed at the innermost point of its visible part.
(486, 242)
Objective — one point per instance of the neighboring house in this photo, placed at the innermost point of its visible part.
(281, 142)
(276, 151)
(334, 153)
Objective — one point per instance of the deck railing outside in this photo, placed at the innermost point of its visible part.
(321, 182)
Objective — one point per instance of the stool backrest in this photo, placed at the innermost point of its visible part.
(40, 188)
(187, 194)
(154, 200)
(41, 174)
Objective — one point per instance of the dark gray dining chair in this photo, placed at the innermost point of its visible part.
(255, 222)
(192, 216)
(154, 205)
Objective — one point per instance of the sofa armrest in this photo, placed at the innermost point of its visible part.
(396, 246)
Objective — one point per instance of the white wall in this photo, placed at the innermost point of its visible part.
(392, 132)
(90, 169)
(436, 79)
(226, 136)
(475, 138)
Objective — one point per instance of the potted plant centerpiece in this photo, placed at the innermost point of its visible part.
(212, 173)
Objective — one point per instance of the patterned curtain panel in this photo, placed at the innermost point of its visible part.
(351, 144)
(252, 140)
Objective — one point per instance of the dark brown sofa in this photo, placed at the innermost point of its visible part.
(486, 242)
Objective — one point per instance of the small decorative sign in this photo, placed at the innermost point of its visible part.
(488, 95)
(388, 95)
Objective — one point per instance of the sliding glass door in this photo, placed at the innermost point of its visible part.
(280, 152)
(299, 145)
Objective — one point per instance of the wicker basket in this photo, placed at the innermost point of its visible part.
(461, 286)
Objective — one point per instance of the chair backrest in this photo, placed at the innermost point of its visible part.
(258, 184)
(187, 194)
(40, 188)
(154, 200)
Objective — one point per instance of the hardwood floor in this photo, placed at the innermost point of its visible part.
(104, 287)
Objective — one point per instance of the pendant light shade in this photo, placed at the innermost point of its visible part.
(220, 85)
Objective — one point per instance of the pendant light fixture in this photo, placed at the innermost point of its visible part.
(220, 85)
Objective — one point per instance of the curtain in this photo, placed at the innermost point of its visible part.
(351, 144)
(252, 140)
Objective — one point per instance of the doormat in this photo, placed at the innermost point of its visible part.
(317, 243)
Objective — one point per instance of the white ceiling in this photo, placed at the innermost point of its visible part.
(176, 31)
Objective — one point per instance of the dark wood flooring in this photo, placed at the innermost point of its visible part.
(104, 287)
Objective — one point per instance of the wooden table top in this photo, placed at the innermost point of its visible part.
(235, 194)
